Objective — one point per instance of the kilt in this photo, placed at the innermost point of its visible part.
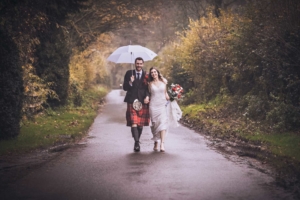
(141, 118)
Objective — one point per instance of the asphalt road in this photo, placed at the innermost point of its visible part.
(104, 166)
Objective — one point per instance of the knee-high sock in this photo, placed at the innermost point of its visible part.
(140, 129)
(135, 133)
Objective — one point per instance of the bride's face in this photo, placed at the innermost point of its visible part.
(154, 73)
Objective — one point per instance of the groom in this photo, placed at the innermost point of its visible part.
(136, 85)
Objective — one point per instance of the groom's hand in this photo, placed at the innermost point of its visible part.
(146, 100)
(131, 79)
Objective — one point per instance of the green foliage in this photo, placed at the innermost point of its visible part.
(53, 57)
(191, 97)
(282, 144)
(47, 32)
(28, 23)
(88, 68)
(179, 75)
(193, 109)
(283, 116)
(253, 57)
(255, 108)
(11, 88)
(56, 126)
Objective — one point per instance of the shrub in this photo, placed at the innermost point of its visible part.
(75, 93)
(256, 107)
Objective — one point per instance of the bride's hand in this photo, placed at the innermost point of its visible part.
(146, 100)
(167, 97)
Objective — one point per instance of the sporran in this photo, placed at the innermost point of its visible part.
(137, 105)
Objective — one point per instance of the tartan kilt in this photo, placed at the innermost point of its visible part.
(141, 118)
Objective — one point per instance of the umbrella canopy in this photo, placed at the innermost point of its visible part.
(127, 54)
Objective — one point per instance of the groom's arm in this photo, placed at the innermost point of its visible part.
(126, 84)
(147, 95)
(147, 92)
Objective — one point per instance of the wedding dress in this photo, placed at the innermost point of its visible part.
(162, 112)
(158, 110)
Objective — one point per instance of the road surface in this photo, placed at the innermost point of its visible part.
(104, 166)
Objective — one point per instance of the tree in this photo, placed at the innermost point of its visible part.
(11, 88)
(25, 22)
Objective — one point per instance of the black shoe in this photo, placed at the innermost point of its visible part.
(136, 147)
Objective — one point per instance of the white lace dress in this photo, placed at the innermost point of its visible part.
(158, 110)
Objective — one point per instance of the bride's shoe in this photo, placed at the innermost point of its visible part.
(162, 148)
(155, 148)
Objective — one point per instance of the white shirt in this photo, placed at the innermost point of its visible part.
(136, 75)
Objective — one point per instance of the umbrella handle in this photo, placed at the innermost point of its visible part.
(131, 63)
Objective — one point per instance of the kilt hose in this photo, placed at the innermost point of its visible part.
(141, 118)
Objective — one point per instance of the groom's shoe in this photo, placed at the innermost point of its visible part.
(136, 146)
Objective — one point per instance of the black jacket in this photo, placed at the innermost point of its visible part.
(138, 90)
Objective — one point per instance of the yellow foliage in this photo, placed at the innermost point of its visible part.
(206, 43)
(36, 91)
(89, 66)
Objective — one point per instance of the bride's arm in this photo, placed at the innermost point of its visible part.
(166, 91)
(167, 95)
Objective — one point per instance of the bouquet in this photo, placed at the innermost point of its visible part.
(175, 92)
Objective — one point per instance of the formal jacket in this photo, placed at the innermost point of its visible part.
(138, 90)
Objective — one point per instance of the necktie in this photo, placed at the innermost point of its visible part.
(138, 76)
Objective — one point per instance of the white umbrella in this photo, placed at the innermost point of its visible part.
(127, 54)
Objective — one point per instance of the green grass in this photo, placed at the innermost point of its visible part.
(63, 125)
(283, 144)
(280, 144)
(193, 109)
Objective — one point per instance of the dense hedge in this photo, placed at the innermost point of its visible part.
(11, 88)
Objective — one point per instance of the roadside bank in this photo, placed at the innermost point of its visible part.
(56, 129)
(235, 136)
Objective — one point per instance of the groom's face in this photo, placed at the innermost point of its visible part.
(139, 65)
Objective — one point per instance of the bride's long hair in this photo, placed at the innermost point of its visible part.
(160, 76)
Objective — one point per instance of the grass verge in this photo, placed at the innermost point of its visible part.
(53, 127)
(280, 144)
(249, 138)
(212, 119)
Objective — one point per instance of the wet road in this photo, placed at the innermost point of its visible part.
(104, 166)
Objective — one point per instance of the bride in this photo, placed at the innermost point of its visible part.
(158, 108)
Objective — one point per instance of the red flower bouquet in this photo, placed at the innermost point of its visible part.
(175, 92)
